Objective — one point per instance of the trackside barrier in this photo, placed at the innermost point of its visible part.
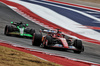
(65, 61)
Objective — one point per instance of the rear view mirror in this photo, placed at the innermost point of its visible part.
(26, 24)
(12, 22)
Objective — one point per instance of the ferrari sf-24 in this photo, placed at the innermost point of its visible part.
(56, 39)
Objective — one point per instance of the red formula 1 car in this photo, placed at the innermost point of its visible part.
(55, 39)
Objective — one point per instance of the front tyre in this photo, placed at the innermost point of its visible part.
(37, 39)
(7, 30)
(79, 46)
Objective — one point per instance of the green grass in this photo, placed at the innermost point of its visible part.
(11, 57)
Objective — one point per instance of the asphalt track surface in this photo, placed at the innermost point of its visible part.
(91, 53)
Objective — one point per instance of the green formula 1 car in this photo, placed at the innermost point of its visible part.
(19, 29)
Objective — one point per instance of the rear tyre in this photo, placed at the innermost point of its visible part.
(7, 30)
(79, 46)
(30, 31)
(37, 39)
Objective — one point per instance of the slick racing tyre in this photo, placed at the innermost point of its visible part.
(49, 39)
(79, 46)
(32, 31)
(37, 39)
(7, 30)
